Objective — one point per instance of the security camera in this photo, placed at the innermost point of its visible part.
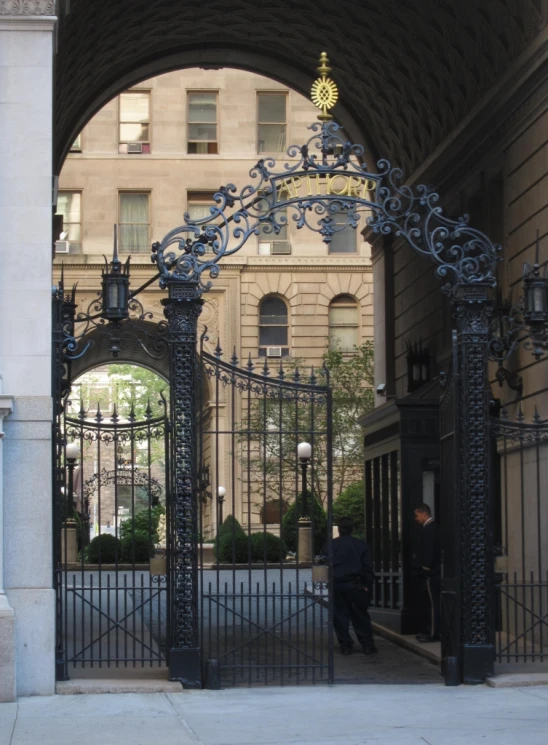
(381, 389)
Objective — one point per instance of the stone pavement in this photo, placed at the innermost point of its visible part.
(341, 715)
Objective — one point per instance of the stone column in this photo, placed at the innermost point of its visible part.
(182, 309)
(472, 312)
(26, 91)
(7, 615)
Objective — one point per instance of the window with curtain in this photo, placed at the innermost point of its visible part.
(69, 204)
(134, 120)
(343, 242)
(134, 224)
(343, 324)
(273, 324)
(271, 122)
(202, 122)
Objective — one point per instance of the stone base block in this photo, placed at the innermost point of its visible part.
(7, 654)
(34, 641)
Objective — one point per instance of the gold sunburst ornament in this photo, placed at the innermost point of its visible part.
(324, 92)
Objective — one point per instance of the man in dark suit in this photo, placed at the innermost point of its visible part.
(430, 568)
(353, 578)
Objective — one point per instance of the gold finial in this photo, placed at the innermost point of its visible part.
(324, 92)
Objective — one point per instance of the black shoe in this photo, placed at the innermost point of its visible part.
(427, 638)
(370, 650)
(346, 650)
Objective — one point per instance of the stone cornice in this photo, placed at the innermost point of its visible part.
(27, 8)
(305, 266)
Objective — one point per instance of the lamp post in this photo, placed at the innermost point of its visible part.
(71, 454)
(221, 491)
(305, 543)
(69, 541)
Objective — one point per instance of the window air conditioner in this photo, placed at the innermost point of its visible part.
(273, 351)
(135, 147)
(62, 247)
(281, 247)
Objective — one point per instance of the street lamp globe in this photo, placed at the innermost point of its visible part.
(304, 450)
(72, 451)
(221, 491)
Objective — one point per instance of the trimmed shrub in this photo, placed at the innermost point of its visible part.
(229, 527)
(291, 521)
(105, 547)
(351, 503)
(267, 547)
(233, 548)
(137, 548)
(142, 523)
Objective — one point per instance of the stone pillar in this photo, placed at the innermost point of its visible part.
(182, 309)
(472, 312)
(26, 91)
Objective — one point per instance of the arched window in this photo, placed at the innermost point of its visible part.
(343, 323)
(273, 325)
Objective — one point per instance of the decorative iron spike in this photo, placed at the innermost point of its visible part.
(536, 416)
(521, 415)
(234, 359)
(82, 412)
(313, 378)
(281, 371)
(114, 416)
(131, 416)
(98, 415)
(265, 371)
(148, 411)
(218, 349)
(327, 374)
(250, 366)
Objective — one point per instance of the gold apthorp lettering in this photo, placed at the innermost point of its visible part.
(324, 184)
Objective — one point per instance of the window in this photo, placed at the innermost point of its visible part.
(134, 136)
(133, 231)
(270, 242)
(202, 123)
(343, 242)
(273, 324)
(343, 324)
(76, 146)
(271, 122)
(69, 204)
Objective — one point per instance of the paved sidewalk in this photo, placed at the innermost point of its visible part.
(342, 715)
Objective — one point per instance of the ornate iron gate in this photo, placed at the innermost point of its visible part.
(450, 522)
(110, 544)
(522, 566)
(264, 616)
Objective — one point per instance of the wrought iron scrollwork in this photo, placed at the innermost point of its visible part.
(326, 187)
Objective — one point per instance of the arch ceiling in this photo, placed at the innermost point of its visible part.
(408, 70)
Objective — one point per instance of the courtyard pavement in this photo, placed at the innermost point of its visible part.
(427, 714)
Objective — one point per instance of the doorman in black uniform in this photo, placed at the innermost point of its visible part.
(430, 569)
(353, 579)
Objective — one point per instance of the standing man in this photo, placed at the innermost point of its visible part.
(353, 579)
(430, 569)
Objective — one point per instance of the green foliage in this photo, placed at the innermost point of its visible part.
(104, 547)
(267, 547)
(143, 524)
(271, 461)
(291, 521)
(229, 529)
(138, 548)
(233, 549)
(350, 503)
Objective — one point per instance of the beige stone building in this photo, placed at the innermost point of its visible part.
(162, 149)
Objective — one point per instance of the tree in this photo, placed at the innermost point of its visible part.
(268, 438)
(351, 503)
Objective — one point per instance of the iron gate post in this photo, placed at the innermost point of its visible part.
(182, 309)
(472, 312)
